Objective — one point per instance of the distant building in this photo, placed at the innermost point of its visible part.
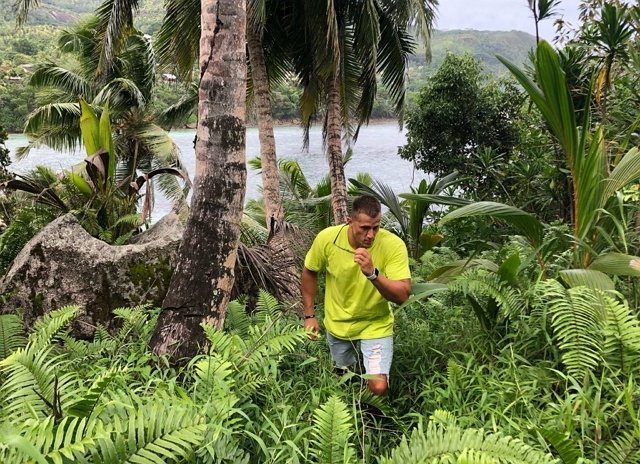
(166, 77)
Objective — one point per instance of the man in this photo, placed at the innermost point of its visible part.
(366, 267)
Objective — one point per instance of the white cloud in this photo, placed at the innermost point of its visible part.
(498, 15)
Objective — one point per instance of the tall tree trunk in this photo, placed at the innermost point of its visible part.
(203, 278)
(270, 182)
(274, 212)
(334, 151)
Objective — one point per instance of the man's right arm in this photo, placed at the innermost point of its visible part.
(309, 288)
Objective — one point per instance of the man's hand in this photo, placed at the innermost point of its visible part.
(312, 327)
(363, 259)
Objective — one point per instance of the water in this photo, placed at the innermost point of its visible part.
(375, 152)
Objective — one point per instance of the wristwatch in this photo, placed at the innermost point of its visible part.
(374, 274)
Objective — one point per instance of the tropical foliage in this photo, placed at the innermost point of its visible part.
(519, 343)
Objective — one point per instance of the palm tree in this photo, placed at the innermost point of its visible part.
(610, 36)
(127, 89)
(202, 281)
(339, 48)
(542, 9)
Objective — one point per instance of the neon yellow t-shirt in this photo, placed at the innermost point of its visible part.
(353, 307)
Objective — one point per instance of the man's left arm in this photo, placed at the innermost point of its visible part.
(396, 291)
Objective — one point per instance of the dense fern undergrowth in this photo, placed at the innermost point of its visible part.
(553, 380)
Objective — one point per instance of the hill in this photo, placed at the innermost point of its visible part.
(21, 49)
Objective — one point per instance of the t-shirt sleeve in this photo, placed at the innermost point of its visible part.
(397, 266)
(316, 258)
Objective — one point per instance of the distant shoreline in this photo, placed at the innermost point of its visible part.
(278, 123)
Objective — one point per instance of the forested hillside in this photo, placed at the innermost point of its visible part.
(22, 49)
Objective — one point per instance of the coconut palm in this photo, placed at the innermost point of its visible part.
(201, 284)
(339, 49)
(127, 89)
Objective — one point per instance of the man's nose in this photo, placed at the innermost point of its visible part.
(370, 234)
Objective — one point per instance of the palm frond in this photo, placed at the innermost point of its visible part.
(178, 39)
(72, 84)
(179, 112)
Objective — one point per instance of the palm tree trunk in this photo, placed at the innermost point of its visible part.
(274, 212)
(270, 182)
(334, 148)
(202, 281)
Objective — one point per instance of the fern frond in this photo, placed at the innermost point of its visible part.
(11, 334)
(481, 282)
(621, 337)
(50, 324)
(163, 430)
(578, 317)
(67, 440)
(85, 406)
(30, 378)
(453, 444)
(267, 306)
(331, 432)
(274, 340)
(214, 374)
(623, 449)
(564, 445)
(133, 321)
(236, 319)
(444, 418)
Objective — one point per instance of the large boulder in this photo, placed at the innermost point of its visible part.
(64, 265)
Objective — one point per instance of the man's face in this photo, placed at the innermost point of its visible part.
(363, 229)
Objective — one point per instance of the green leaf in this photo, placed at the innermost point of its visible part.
(627, 171)
(587, 278)
(566, 448)
(422, 290)
(90, 128)
(23, 445)
(527, 224)
(80, 183)
(435, 199)
(617, 264)
(106, 141)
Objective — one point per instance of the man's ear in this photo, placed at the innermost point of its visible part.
(348, 219)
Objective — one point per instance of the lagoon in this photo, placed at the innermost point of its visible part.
(375, 152)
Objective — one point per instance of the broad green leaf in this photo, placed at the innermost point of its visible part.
(526, 224)
(552, 97)
(627, 171)
(90, 127)
(106, 141)
(437, 199)
(80, 183)
(509, 269)
(422, 290)
(617, 264)
(587, 278)
(428, 241)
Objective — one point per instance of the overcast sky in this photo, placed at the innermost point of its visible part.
(499, 15)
